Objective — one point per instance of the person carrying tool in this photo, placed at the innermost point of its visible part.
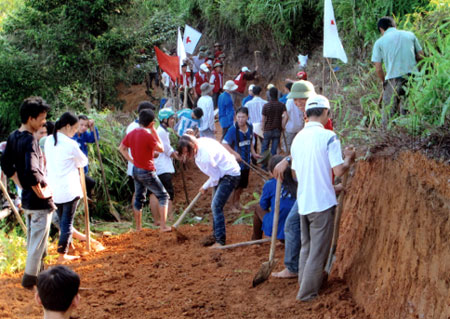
(263, 217)
(315, 153)
(400, 51)
(186, 84)
(239, 142)
(214, 160)
(241, 81)
(142, 142)
(226, 108)
(82, 137)
(23, 162)
(207, 127)
(216, 79)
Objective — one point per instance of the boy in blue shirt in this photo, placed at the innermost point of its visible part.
(82, 137)
(188, 119)
(239, 142)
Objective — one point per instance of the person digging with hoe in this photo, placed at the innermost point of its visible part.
(223, 170)
(143, 142)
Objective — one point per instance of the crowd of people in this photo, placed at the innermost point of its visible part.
(307, 160)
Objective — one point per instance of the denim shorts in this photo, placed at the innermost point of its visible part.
(143, 180)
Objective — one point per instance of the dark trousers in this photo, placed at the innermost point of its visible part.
(66, 213)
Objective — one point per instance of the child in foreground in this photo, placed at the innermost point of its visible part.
(143, 142)
(57, 292)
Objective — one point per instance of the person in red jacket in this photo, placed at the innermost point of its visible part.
(200, 77)
(217, 49)
(241, 81)
(216, 79)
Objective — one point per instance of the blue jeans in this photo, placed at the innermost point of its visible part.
(271, 136)
(144, 180)
(292, 239)
(222, 192)
(66, 213)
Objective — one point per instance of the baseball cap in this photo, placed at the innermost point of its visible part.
(204, 67)
(245, 69)
(250, 87)
(317, 101)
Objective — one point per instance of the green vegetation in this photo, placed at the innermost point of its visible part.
(13, 252)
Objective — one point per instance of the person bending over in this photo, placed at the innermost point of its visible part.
(224, 173)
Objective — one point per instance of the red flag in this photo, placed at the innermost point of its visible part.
(169, 64)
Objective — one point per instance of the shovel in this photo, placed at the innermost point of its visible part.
(267, 267)
(13, 207)
(180, 237)
(337, 220)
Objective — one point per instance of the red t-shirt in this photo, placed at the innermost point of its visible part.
(142, 144)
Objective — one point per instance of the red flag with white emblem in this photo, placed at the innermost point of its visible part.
(332, 45)
(190, 39)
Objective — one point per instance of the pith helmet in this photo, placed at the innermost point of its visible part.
(301, 90)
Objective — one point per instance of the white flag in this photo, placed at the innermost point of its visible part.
(191, 38)
(181, 52)
(332, 46)
(302, 61)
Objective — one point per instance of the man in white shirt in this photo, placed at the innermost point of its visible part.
(315, 153)
(206, 103)
(255, 106)
(214, 160)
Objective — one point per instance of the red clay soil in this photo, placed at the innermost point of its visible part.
(151, 275)
(394, 248)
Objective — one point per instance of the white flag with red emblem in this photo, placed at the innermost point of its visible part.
(190, 39)
(332, 45)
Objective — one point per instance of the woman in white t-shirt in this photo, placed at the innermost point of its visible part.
(64, 158)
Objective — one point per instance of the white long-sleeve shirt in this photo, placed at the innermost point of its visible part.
(295, 122)
(63, 161)
(214, 160)
(164, 163)
(255, 107)
(207, 105)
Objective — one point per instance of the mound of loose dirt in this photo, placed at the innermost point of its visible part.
(151, 275)
(394, 244)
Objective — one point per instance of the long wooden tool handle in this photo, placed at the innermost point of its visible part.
(105, 187)
(275, 220)
(254, 170)
(187, 210)
(87, 227)
(244, 243)
(13, 207)
(337, 219)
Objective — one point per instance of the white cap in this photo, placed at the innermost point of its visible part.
(250, 87)
(230, 85)
(245, 69)
(317, 101)
(204, 67)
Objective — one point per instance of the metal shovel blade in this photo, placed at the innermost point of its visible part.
(264, 272)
